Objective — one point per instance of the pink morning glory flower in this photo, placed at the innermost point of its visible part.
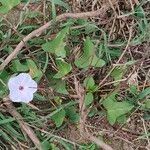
(22, 88)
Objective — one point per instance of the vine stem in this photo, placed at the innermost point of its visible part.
(40, 30)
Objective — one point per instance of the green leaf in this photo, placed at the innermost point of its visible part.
(122, 119)
(89, 83)
(89, 57)
(10, 127)
(57, 46)
(109, 101)
(71, 112)
(7, 5)
(90, 27)
(88, 99)
(63, 68)
(133, 90)
(34, 71)
(60, 87)
(88, 50)
(139, 12)
(144, 93)
(8, 120)
(61, 3)
(18, 67)
(6, 136)
(97, 62)
(116, 109)
(147, 104)
(117, 74)
(33, 14)
(45, 145)
(4, 76)
(53, 9)
(59, 117)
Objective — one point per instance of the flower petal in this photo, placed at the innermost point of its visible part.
(21, 97)
(15, 96)
(29, 86)
(23, 78)
(27, 97)
(32, 86)
(26, 80)
(20, 80)
(12, 84)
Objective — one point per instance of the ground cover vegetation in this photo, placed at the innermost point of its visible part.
(91, 62)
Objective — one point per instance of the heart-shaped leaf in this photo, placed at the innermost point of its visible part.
(57, 46)
(60, 86)
(144, 93)
(147, 104)
(89, 83)
(18, 67)
(118, 73)
(72, 114)
(63, 68)
(7, 5)
(89, 58)
(34, 71)
(116, 109)
(97, 62)
(59, 117)
(88, 99)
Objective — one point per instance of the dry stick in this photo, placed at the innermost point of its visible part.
(83, 114)
(38, 31)
(12, 110)
(125, 50)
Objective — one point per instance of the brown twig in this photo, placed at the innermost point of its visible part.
(121, 56)
(38, 31)
(12, 110)
(83, 114)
